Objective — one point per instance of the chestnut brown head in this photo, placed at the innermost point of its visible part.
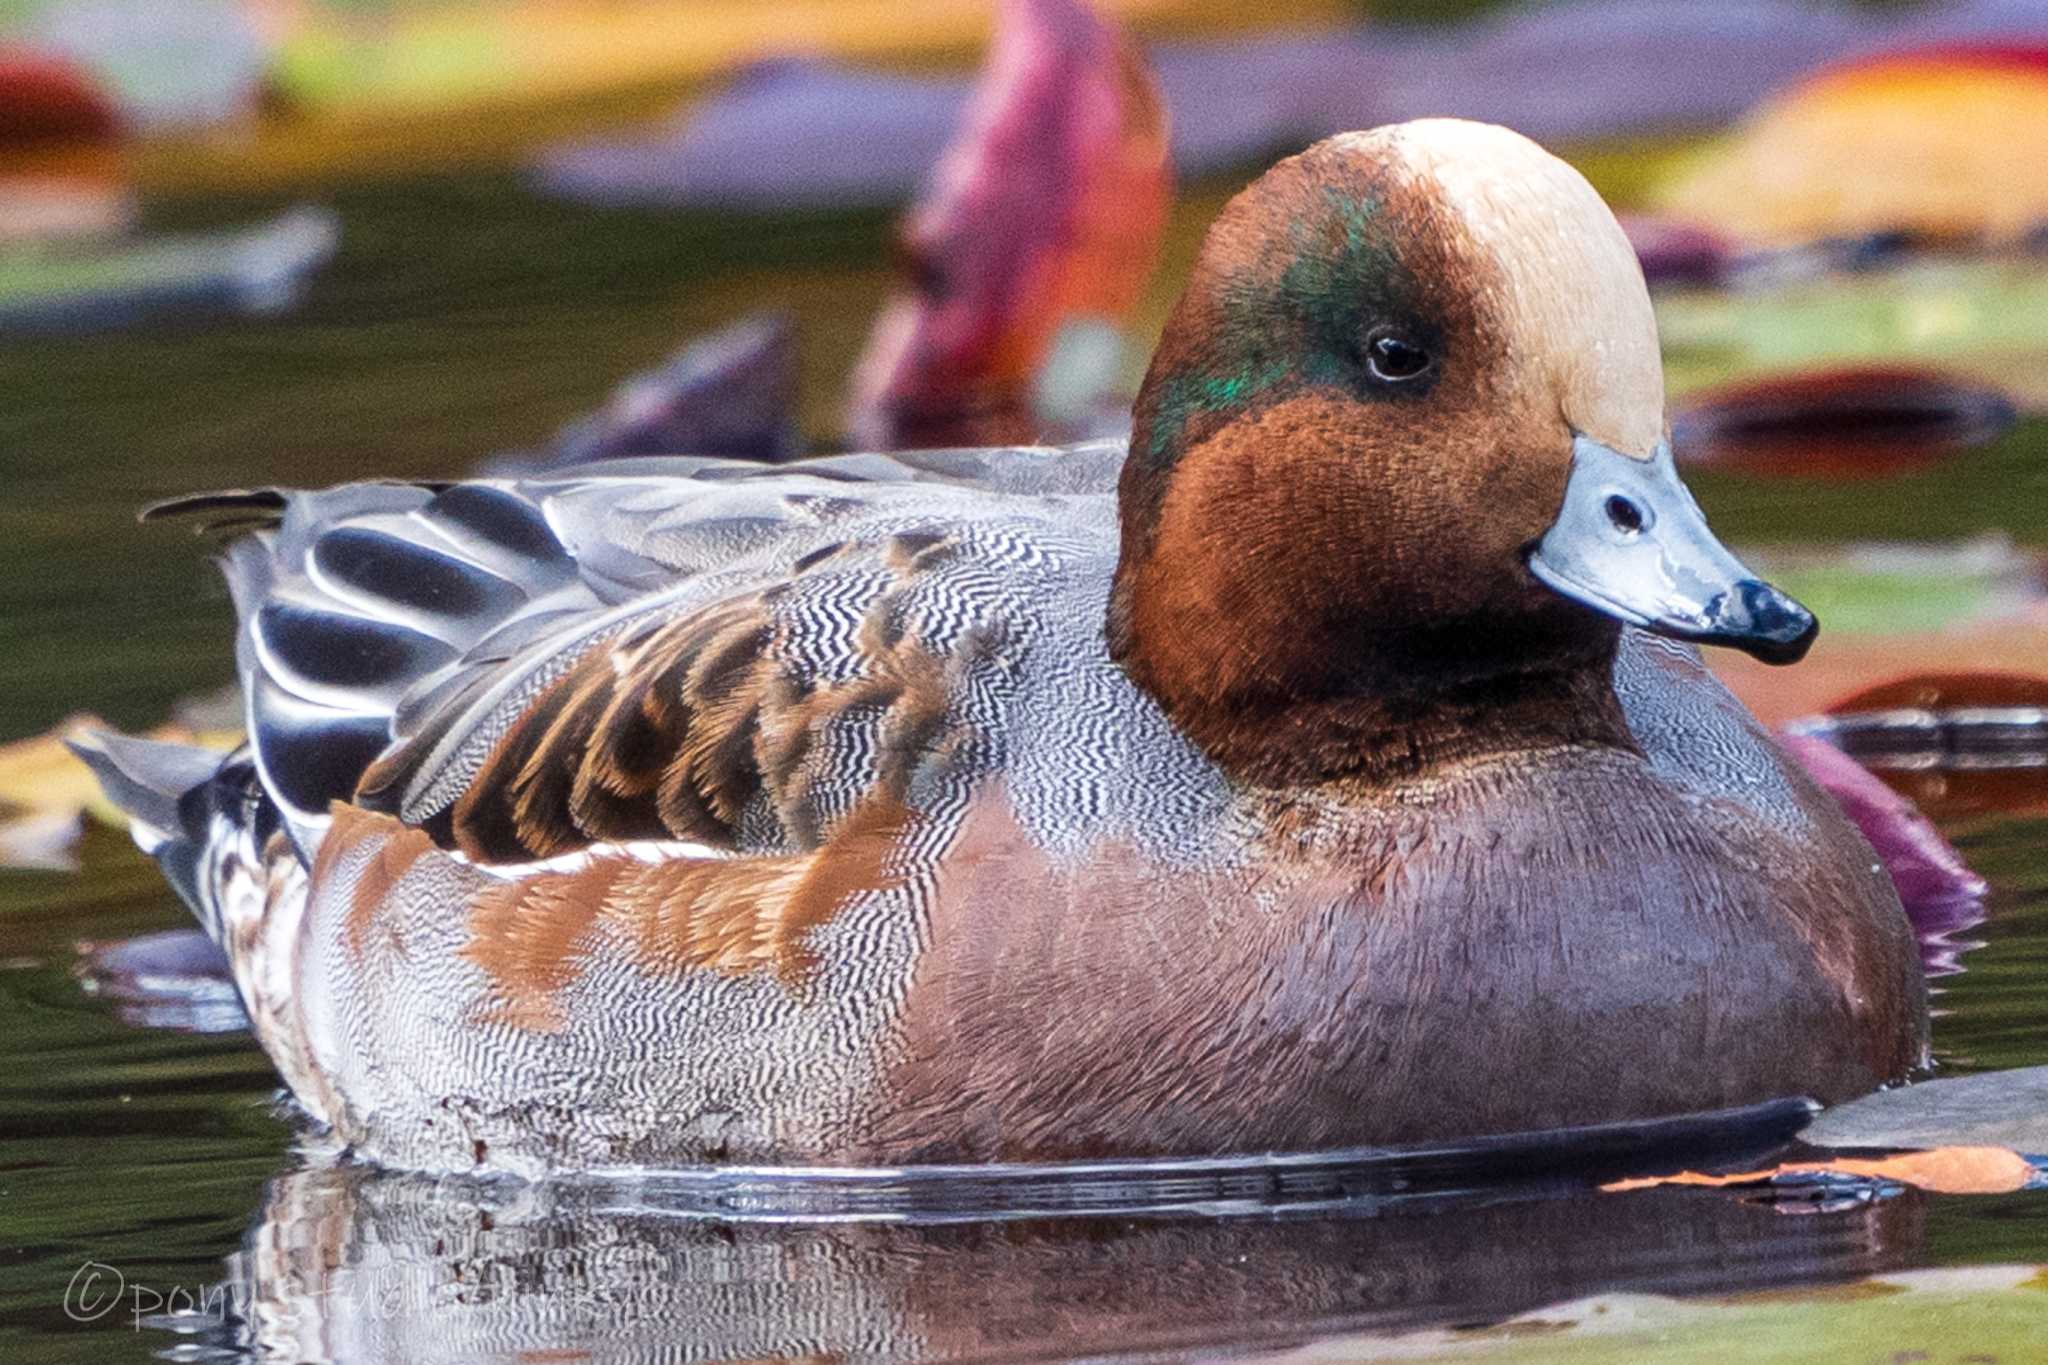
(1405, 431)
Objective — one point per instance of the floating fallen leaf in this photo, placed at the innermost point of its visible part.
(46, 98)
(1676, 251)
(1942, 896)
(1940, 692)
(45, 792)
(732, 392)
(1974, 1313)
(1956, 744)
(1842, 662)
(1890, 609)
(821, 133)
(1949, 142)
(62, 203)
(254, 270)
(1037, 237)
(784, 134)
(178, 979)
(1598, 68)
(2006, 1108)
(1842, 423)
(39, 840)
(1945, 1170)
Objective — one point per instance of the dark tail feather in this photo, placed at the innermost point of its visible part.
(179, 798)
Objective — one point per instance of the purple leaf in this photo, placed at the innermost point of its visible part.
(731, 392)
(178, 979)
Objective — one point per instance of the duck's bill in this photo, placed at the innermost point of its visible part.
(1631, 542)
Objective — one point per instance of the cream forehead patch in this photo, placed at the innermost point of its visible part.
(1569, 289)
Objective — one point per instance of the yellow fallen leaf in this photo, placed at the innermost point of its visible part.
(45, 792)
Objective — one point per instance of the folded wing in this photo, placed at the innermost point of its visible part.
(713, 652)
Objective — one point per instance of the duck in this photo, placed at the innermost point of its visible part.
(1331, 763)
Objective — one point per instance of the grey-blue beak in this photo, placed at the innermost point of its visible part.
(1631, 542)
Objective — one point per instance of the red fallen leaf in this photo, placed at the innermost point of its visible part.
(1848, 423)
(46, 99)
(1955, 744)
(1841, 663)
(1993, 56)
(1031, 246)
(1947, 692)
(1941, 894)
(1942, 1170)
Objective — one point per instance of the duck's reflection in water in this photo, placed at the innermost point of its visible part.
(348, 1265)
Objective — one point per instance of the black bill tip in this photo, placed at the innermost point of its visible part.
(1762, 622)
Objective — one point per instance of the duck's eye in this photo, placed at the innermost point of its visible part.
(1626, 515)
(1394, 358)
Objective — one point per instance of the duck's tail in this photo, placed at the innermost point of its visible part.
(200, 813)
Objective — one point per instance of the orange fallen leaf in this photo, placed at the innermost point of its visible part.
(1961, 136)
(1941, 1170)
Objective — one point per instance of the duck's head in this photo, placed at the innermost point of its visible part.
(1405, 432)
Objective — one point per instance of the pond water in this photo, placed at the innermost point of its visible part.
(146, 1171)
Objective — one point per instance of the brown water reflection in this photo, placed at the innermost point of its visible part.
(344, 1264)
